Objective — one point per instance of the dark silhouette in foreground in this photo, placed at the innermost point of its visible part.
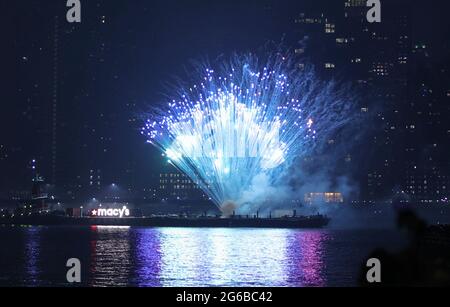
(424, 262)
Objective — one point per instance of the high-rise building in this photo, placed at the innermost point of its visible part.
(54, 112)
(375, 58)
(427, 130)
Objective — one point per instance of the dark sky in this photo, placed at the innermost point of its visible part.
(112, 68)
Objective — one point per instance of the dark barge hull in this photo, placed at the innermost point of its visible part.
(317, 221)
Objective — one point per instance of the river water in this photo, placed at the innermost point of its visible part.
(128, 256)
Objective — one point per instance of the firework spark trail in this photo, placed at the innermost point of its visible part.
(243, 121)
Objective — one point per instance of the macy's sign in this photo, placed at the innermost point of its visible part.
(124, 212)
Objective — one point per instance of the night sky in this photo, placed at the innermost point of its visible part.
(117, 63)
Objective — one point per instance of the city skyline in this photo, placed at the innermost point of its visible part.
(85, 119)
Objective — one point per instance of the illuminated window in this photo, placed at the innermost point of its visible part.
(329, 28)
(341, 40)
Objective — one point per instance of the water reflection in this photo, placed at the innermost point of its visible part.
(148, 257)
(110, 256)
(249, 257)
(32, 253)
(124, 256)
(206, 257)
(240, 257)
(305, 255)
(118, 256)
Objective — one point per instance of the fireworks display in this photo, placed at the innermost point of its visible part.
(244, 120)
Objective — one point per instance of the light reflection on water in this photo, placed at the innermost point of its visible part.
(124, 256)
(110, 253)
(192, 257)
(32, 238)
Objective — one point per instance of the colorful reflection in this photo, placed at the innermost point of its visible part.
(306, 258)
(147, 260)
(239, 257)
(184, 256)
(206, 257)
(123, 256)
(111, 260)
(32, 254)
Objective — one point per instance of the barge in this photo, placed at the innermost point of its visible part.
(311, 221)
